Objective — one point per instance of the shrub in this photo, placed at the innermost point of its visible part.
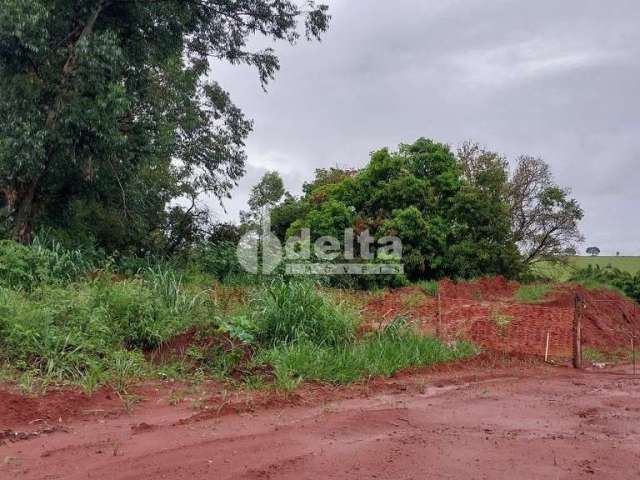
(218, 259)
(290, 311)
(595, 276)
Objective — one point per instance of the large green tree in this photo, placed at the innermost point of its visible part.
(449, 226)
(110, 110)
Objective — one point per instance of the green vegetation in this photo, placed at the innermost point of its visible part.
(377, 354)
(623, 281)
(92, 331)
(115, 128)
(532, 293)
(90, 327)
(598, 356)
(448, 226)
(293, 311)
(563, 271)
(115, 113)
(627, 264)
(430, 287)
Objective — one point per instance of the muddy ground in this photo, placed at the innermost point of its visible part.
(515, 421)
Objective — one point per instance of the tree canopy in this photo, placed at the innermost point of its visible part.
(110, 111)
(544, 218)
(448, 225)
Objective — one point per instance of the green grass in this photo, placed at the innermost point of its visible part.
(292, 311)
(532, 293)
(66, 319)
(379, 354)
(563, 272)
(430, 287)
(92, 332)
(594, 355)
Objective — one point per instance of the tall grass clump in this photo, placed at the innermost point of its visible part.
(88, 329)
(430, 287)
(290, 311)
(378, 354)
(27, 267)
(168, 285)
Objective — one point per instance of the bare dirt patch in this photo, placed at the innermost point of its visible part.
(522, 421)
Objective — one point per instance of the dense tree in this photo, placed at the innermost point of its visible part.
(110, 112)
(484, 169)
(593, 251)
(448, 225)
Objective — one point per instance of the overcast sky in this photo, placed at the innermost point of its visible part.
(556, 79)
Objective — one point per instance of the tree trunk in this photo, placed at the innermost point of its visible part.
(24, 209)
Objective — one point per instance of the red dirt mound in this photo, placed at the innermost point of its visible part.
(211, 346)
(485, 312)
(485, 288)
(20, 410)
(609, 318)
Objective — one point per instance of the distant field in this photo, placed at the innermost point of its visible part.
(563, 272)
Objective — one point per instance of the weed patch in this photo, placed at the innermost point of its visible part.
(292, 311)
(533, 293)
(379, 354)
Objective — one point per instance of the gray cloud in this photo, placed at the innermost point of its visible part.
(553, 79)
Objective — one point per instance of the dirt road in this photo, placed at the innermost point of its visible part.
(546, 423)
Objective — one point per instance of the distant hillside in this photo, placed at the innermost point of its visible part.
(563, 272)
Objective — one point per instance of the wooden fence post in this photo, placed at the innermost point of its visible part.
(577, 332)
(439, 321)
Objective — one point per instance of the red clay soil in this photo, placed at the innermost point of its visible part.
(54, 407)
(485, 288)
(500, 423)
(486, 313)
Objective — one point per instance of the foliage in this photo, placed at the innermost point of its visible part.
(110, 111)
(430, 287)
(624, 281)
(382, 353)
(265, 195)
(292, 311)
(544, 218)
(217, 258)
(89, 330)
(26, 268)
(448, 226)
(593, 251)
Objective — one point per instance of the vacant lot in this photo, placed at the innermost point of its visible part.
(515, 422)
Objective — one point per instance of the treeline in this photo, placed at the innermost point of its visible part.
(459, 214)
(114, 129)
